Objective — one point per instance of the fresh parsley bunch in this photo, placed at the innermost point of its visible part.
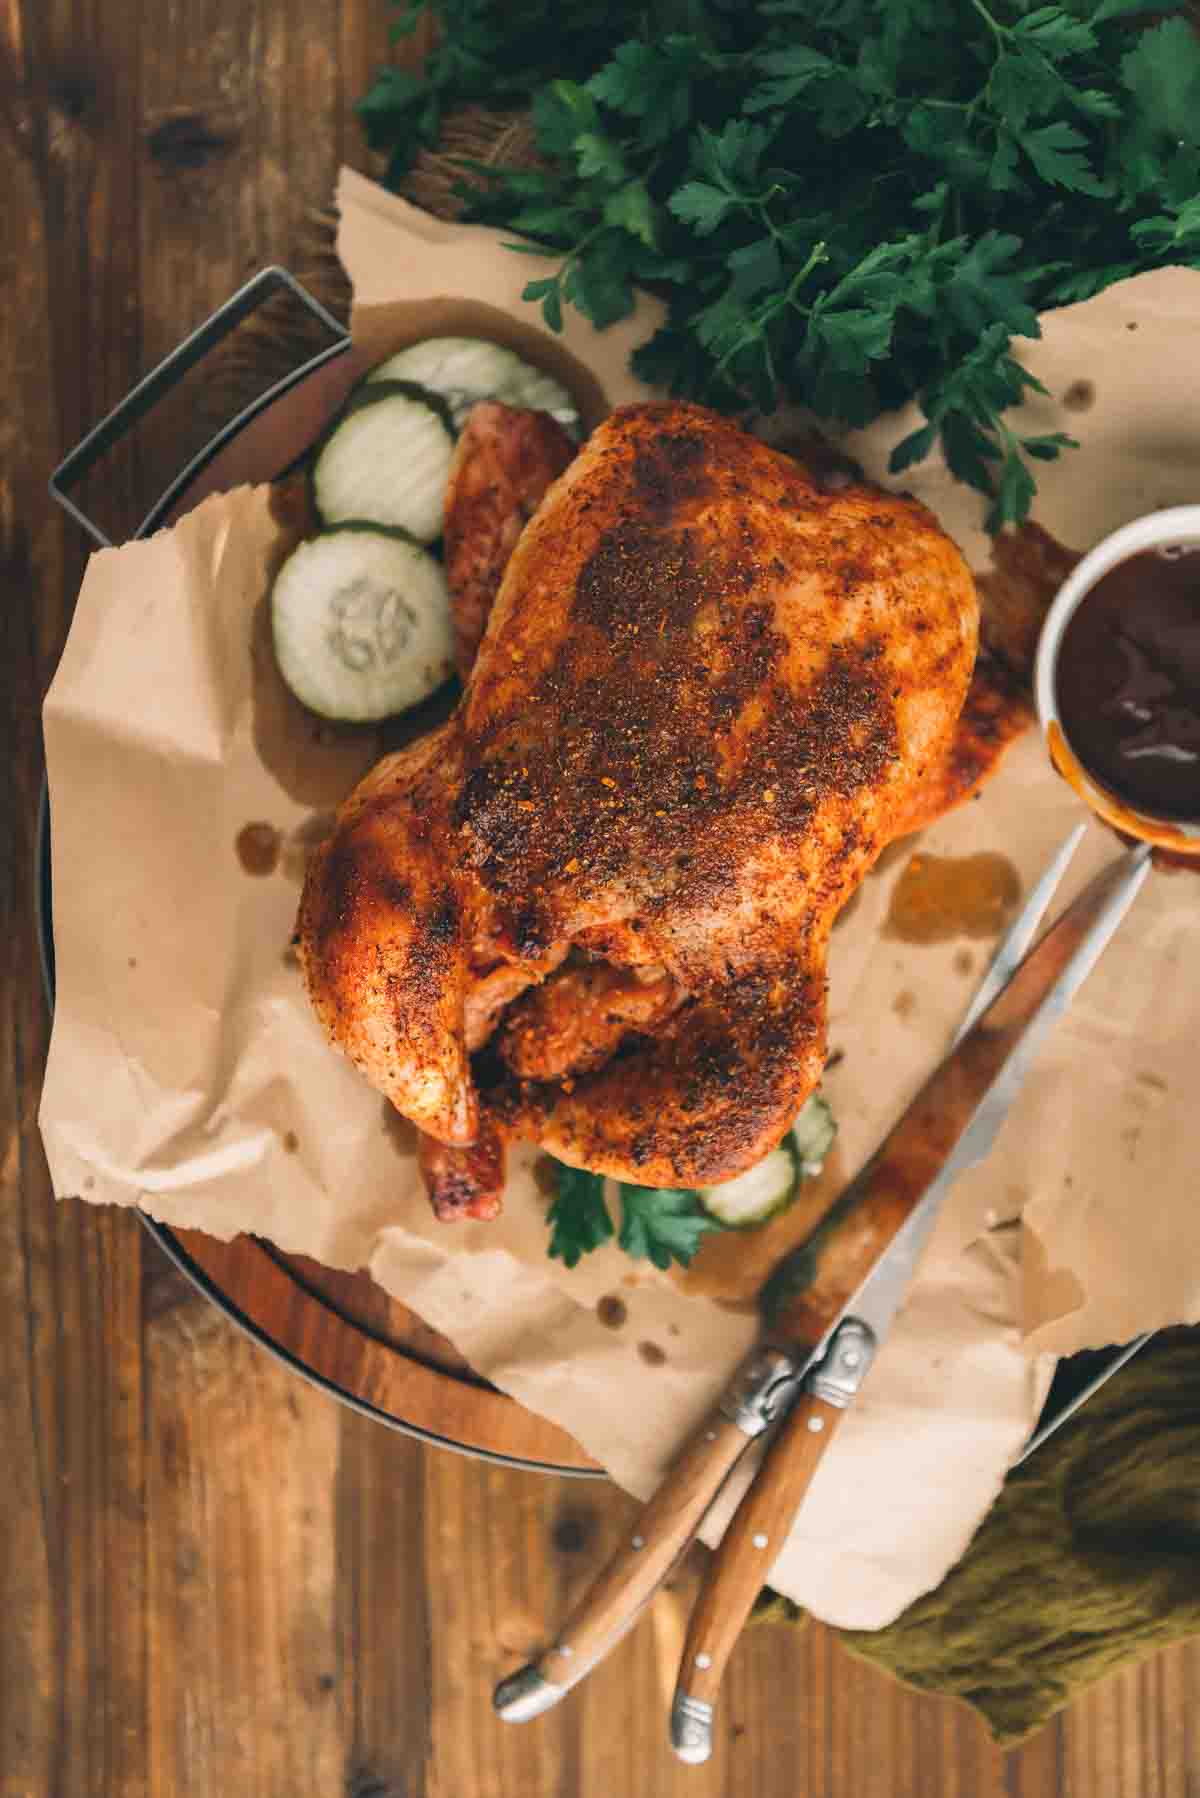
(658, 1223)
(844, 203)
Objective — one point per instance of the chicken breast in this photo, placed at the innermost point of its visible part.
(706, 698)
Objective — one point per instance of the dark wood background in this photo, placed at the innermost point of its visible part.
(213, 1579)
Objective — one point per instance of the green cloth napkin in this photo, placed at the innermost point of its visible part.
(1089, 1558)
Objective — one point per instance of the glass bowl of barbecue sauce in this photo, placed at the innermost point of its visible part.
(1117, 679)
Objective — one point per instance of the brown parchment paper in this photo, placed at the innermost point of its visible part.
(186, 1074)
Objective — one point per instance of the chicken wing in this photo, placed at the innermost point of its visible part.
(503, 463)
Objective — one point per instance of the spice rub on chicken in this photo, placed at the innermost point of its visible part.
(593, 909)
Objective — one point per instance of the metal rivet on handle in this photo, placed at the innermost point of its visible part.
(704, 1660)
(816, 1425)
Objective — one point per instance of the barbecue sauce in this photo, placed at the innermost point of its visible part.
(1128, 682)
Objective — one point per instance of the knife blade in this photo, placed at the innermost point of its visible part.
(981, 1132)
(834, 1299)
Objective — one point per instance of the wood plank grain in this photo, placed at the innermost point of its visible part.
(494, 1578)
(383, 1610)
(72, 1673)
(1170, 1711)
(241, 1588)
(1134, 1733)
(1036, 1768)
(30, 1644)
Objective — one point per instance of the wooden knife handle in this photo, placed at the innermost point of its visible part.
(655, 1542)
(740, 1567)
(758, 1530)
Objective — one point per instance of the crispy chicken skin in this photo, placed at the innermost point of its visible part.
(503, 463)
(706, 698)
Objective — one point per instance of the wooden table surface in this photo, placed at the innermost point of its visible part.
(213, 1578)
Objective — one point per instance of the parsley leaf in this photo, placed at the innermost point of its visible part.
(653, 83)
(563, 112)
(1014, 492)
(795, 70)
(600, 281)
(1057, 153)
(579, 1220)
(549, 292)
(1162, 72)
(982, 287)
(596, 155)
(632, 209)
(663, 1224)
(730, 157)
(755, 267)
(1170, 233)
(658, 1224)
(913, 448)
(701, 204)
(1053, 32)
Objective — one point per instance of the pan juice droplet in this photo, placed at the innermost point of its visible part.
(940, 897)
(257, 847)
(611, 1311)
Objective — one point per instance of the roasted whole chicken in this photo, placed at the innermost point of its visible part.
(593, 908)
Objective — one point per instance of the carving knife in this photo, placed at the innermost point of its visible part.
(901, 1186)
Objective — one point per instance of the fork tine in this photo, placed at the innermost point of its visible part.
(1021, 932)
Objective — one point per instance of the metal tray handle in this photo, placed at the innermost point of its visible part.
(168, 374)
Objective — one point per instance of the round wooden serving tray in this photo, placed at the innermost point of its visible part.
(340, 1330)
